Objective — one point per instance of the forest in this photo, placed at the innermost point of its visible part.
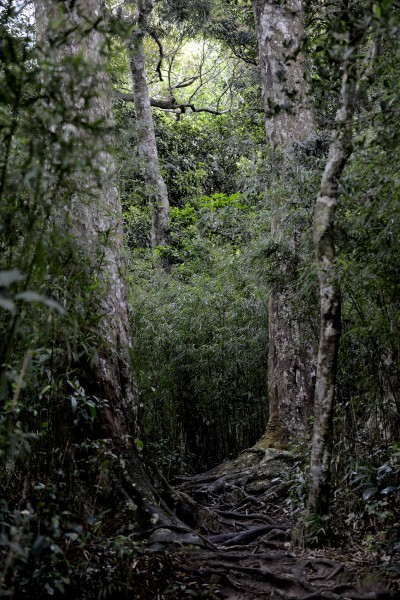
(199, 299)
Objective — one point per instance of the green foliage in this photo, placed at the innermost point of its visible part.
(200, 356)
(370, 262)
(49, 291)
(367, 417)
(367, 507)
(199, 155)
(200, 332)
(137, 226)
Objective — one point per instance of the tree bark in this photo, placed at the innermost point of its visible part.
(330, 301)
(289, 119)
(147, 146)
(92, 218)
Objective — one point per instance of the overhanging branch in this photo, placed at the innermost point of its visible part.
(172, 105)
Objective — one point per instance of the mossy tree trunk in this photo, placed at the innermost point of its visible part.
(289, 120)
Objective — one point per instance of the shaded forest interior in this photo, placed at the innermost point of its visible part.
(199, 299)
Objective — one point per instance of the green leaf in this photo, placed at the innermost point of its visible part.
(139, 444)
(35, 297)
(93, 411)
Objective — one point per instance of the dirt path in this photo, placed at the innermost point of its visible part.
(244, 549)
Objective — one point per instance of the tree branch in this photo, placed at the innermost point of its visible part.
(155, 37)
(186, 82)
(172, 104)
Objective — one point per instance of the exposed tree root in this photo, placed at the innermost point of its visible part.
(254, 517)
(251, 557)
(229, 539)
(231, 542)
(334, 568)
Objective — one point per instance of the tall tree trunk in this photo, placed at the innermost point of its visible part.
(92, 217)
(147, 146)
(289, 120)
(330, 301)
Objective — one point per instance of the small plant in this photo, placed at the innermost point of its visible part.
(85, 408)
(298, 488)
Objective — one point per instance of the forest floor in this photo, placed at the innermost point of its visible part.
(244, 548)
